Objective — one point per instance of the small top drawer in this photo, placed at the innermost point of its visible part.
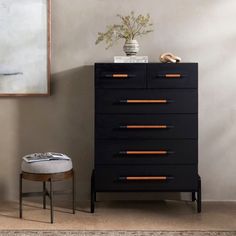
(182, 75)
(120, 75)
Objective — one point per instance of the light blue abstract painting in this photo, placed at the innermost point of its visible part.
(24, 47)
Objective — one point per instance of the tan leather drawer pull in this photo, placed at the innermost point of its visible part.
(145, 178)
(172, 75)
(147, 101)
(145, 152)
(145, 126)
(120, 76)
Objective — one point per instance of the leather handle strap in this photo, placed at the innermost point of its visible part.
(145, 178)
(144, 152)
(145, 101)
(119, 76)
(173, 76)
(144, 126)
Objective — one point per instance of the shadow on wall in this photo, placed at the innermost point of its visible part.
(62, 123)
(2, 191)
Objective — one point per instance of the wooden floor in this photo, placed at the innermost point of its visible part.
(124, 215)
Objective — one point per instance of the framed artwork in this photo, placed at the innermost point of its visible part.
(25, 47)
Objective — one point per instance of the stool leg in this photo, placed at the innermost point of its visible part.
(44, 195)
(51, 200)
(73, 192)
(20, 195)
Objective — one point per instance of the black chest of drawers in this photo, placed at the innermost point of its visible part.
(146, 129)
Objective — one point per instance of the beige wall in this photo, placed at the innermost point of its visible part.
(197, 30)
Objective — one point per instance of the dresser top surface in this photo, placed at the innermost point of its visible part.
(149, 63)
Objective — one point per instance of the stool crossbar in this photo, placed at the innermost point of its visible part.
(44, 178)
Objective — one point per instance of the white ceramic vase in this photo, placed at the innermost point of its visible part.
(131, 47)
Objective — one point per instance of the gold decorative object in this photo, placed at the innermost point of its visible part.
(169, 58)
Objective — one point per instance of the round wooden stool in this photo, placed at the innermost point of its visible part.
(47, 171)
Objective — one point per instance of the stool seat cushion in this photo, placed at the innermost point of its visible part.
(47, 167)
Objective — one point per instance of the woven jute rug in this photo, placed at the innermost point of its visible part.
(114, 233)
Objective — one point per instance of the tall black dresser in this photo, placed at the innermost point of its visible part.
(146, 129)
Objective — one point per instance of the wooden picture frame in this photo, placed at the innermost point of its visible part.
(36, 81)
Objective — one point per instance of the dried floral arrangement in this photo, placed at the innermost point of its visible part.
(130, 27)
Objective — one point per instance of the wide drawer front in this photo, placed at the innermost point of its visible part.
(131, 152)
(182, 75)
(146, 101)
(120, 75)
(138, 178)
(146, 126)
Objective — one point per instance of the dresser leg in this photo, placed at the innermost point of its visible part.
(199, 196)
(93, 193)
(193, 196)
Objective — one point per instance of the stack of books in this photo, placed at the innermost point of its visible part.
(130, 59)
(47, 156)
